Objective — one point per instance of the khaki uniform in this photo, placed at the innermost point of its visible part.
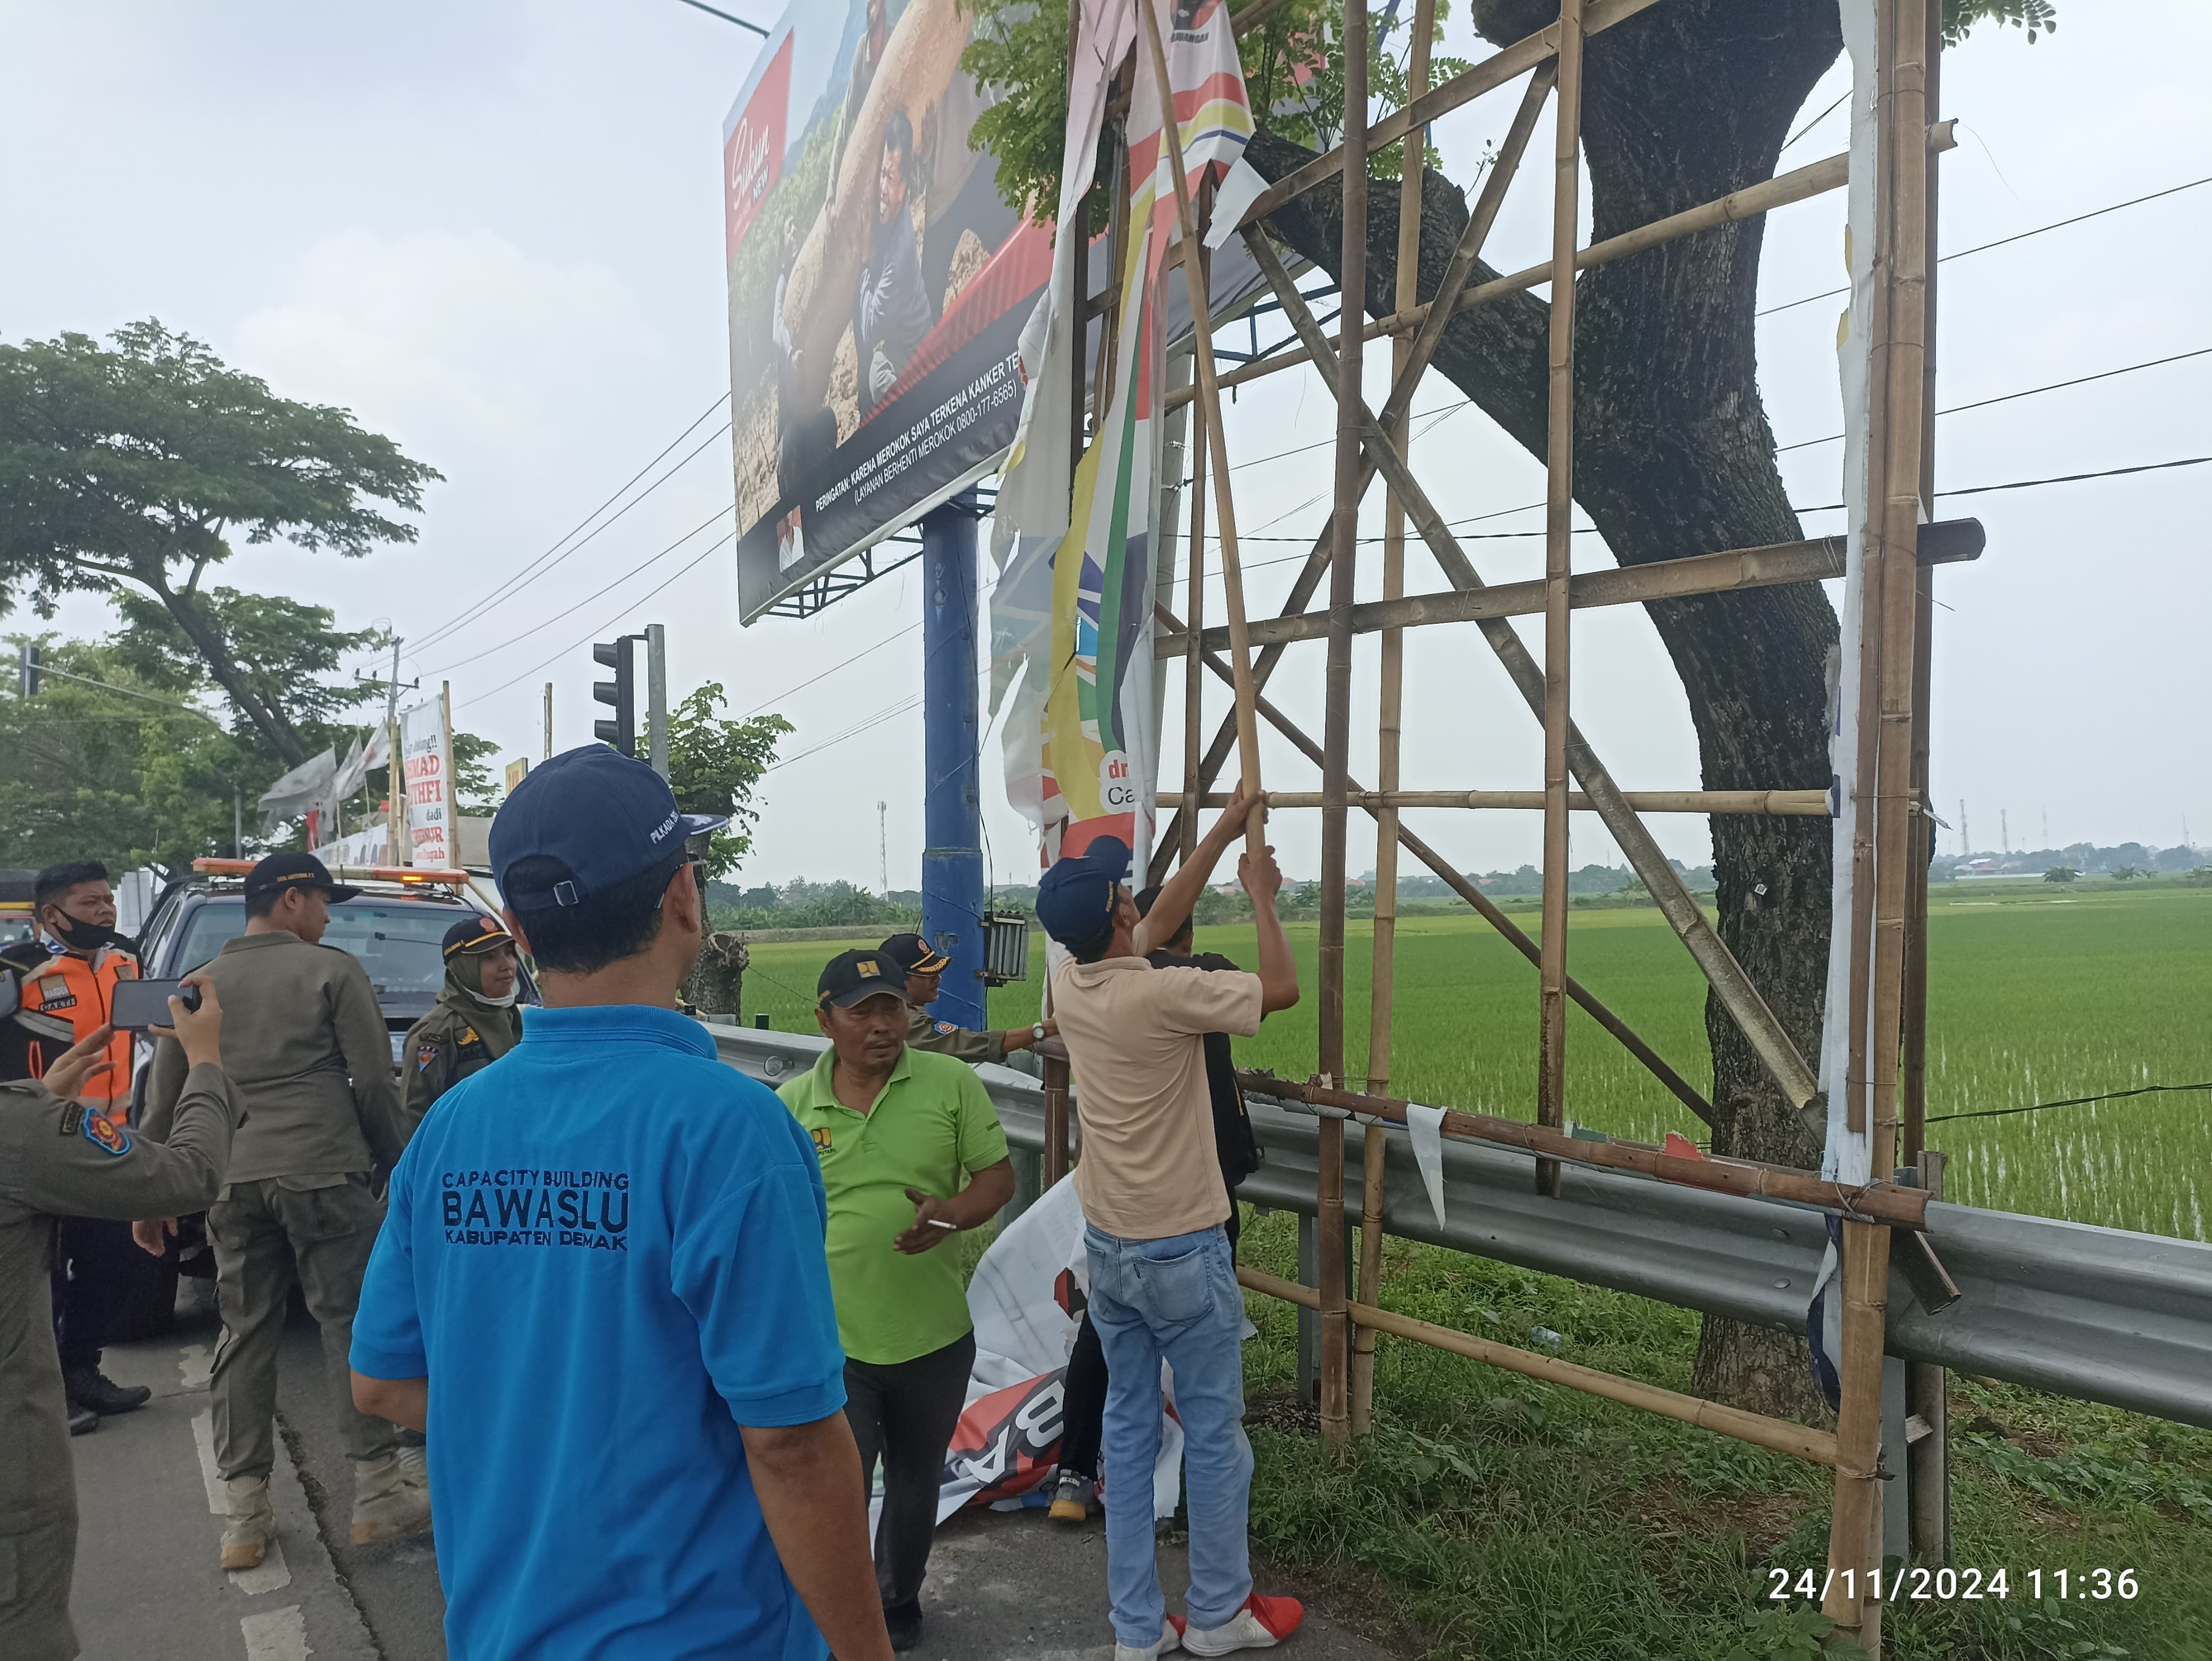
(57, 1157)
(307, 1044)
(462, 1035)
(943, 1038)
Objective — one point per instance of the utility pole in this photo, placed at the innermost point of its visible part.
(548, 720)
(656, 697)
(2004, 830)
(884, 850)
(396, 844)
(1966, 841)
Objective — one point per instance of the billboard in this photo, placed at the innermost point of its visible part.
(426, 755)
(877, 286)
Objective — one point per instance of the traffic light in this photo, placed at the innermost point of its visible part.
(27, 673)
(619, 655)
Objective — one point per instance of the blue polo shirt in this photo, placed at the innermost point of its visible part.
(605, 1252)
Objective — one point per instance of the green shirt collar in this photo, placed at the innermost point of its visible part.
(822, 1093)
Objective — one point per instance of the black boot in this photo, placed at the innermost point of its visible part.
(904, 1625)
(94, 1391)
(82, 1421)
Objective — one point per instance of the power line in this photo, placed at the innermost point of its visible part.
(1983, 248)
(505, 588)
(866, 723)
(696, 5)
(2072, 1101)
(1814, 122)
(595, 594)
(2028, 392)
(835, 667)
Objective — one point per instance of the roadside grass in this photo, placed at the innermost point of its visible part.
(1492, 1517)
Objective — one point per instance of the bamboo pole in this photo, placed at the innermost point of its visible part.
(1798, 185)
(1194, 678)
(1927, 1457)
(1336, 741)
(1558, 537)
(1854, 1550)
(1799, 1441)
(1224, 513)
(1373, 1153)
(1803, 804)
(1730, 571)
(1886, 1202)
(1487, 910)
(1469, 249)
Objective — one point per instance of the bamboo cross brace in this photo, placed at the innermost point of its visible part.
(1485, 907)
(1224, 513)
(1737, 993)
(1406, 380)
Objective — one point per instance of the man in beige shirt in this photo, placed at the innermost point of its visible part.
(1163, 1285)
(309, 1051)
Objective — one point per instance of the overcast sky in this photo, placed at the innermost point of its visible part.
(493, 232)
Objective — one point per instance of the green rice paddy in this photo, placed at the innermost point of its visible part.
(2034, 994)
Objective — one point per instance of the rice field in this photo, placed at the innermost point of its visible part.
(2035, 995)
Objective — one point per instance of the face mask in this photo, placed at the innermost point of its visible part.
(81, 936)
(513, 993)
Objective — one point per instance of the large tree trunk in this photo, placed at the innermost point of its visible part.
(268, 718)
(1674, 456)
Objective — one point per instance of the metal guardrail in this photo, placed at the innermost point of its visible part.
(2097, 1314)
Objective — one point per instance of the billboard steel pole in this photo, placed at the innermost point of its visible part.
(952, 858)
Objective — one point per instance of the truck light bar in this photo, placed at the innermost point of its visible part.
(413, 874)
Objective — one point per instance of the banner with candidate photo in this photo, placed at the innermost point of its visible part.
(877, 286)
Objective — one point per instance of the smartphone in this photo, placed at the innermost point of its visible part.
(146, 1003)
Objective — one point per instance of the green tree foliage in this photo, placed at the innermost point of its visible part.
(713, 765)
(2060, 873)
(90, 772)
(2038, 17)
(132, 467)
(475, 790)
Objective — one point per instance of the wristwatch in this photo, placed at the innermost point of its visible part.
(1037, 1033)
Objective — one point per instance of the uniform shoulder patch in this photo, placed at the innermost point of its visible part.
(105, 1135)
(944, 1026)
(72, 1118)
(425, 1057)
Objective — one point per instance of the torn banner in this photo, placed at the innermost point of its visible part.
(1070, 620)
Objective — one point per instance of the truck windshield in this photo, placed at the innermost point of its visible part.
(399, 945)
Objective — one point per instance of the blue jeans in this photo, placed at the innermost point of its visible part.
(1175, 1299)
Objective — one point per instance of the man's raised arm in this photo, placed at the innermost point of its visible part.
(1179, 895)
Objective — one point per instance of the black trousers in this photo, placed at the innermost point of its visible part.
(1083, 1387)
(91, 1258)
(907, 1412)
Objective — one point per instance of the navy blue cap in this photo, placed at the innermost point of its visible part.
(852, 978)
(1075, 898)
(605, 817)
(282, 870)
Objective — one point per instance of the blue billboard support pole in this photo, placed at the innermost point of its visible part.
(952, 858)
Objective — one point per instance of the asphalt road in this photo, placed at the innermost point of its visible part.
(1001, 1587)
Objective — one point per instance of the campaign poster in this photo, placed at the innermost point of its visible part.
(877, 286)
(426, 751)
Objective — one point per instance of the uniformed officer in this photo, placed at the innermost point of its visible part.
(58, 1158)
(312, 1058)
(74, 989)
(475, 1020)
(923, 965)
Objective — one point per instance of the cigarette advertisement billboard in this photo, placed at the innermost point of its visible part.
(877, 286)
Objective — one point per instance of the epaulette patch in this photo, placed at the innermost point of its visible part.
(103, 1133)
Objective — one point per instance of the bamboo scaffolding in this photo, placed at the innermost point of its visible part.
(1484, 906)
(1194, 679)
(1400, 399)
(1945, 542)
(1802, 804)
(1798, 185)
(1886, 1202)
(1799, 1441)
(1736, 990)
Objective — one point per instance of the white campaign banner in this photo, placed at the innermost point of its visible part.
(426, 749)
(1023, 1300)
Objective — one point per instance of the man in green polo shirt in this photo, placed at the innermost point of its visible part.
(898, 1132)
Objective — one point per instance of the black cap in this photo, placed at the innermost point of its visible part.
(914, 954)
(282, 870)
(850, 976)
(475, 935)
(603, 816)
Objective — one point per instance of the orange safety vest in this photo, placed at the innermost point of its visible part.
(74, 989)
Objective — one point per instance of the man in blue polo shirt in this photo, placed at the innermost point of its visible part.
(606, 1248)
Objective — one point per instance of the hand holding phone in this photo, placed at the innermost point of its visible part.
(143, 1003)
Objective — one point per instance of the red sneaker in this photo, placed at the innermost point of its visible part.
(1262, 1623)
